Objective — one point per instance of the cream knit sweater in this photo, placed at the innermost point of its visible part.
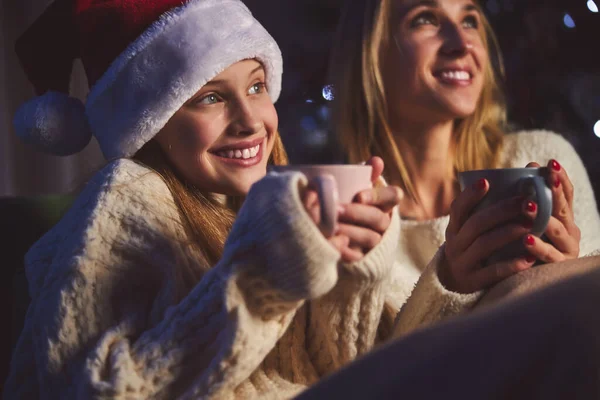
(276, 314)
(272, 317)
(420, 241)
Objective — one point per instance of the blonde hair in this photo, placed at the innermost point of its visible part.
(360, 109)
(207, 221)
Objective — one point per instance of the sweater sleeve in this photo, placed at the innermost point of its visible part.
(343, 324)
(430, 301)
(88, 335)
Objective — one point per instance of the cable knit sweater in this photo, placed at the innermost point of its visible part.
(420, 241)
(277, 313)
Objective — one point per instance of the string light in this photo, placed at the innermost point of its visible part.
(328, 93)
(597, 129)
(568, 20)
(592, 6)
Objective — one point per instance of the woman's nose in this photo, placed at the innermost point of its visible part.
(246, 121)
(456, 43)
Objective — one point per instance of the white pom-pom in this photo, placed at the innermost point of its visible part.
(54, 123)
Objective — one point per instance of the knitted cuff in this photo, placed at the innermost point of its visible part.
(289, 249)
(430, 301)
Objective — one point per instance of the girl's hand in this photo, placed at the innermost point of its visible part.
(471, 239)
(563, 233)
(362, 223)
(338, 240)
(367, 218)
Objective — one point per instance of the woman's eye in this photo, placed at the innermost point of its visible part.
(209, 99)
(425, 18)
(256, 88)
(471, 22)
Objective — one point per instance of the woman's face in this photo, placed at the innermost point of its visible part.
(434, 66)
(221, 139)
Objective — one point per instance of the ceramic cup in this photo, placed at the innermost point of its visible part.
(335, 184)
(510, 182)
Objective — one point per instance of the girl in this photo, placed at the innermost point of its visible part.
(147, 288)
(417, 83)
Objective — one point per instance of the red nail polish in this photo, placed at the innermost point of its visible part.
(557, 183)
(530, 259)
(555, 165)
(480, 184)
(531, 206)
(529, 240)
(528, 224)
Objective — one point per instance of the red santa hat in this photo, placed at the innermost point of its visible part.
(143, 58)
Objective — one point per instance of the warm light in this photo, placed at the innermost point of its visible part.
(597, 129)
(328, 93)
(592, 6)
(568, 20)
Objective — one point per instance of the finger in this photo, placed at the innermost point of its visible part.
(561, 238)
(339, 242)
(378, 165)
(488, 243)
(385, 198)
(533, 165)
(464, 203)
(492, 274)
(360, 237)
(484, 220)
(561, 209)
(530, 210)
(365, 216)
(543, 251)
(558, 177)
(312, 206)
(350, 255)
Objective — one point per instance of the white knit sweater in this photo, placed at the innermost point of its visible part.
(420, 240)
(277, 313)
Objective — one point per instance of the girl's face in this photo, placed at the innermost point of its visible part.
(221, 139)
(434, 66)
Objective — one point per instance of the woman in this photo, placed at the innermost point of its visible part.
(147, 288)
(417, 83)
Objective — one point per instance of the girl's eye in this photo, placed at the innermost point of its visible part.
(471, 22)
(209, 99)
(257, 88)
(425, 18)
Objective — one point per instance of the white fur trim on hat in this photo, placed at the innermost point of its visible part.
(54, 123)
(168, 64)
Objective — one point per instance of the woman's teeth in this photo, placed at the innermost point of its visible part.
(456, 75)
(243, 154)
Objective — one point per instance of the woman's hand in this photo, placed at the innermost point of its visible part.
(362, 223)
(471, 239)
(563, 233)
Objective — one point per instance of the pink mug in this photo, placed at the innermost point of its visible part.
(335, 184)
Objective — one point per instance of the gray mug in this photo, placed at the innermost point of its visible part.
(510, 182)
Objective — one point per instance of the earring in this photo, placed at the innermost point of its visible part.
(169, 146)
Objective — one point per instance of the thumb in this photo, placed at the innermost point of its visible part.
(378, 165)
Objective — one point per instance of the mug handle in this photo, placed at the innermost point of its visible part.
(326, 187)
(536, 186)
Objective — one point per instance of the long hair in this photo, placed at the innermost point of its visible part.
(360, 109)
(207, 221)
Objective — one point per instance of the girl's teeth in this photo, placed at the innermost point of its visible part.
(243, 154)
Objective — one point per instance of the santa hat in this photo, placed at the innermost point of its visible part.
(143, 58)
